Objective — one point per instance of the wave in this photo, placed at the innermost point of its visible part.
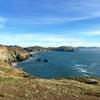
(81, 68)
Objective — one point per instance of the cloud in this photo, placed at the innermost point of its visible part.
(27, 15)
(2, 19)
(42, 39)
(51, 20)
(47, 20)
(1, 26)
(92, 33)
(53, 11)
(2, 22)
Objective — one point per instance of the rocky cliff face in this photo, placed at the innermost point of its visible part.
(12, 54)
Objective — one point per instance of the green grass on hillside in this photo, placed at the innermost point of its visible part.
(40, 89)
(16, 85)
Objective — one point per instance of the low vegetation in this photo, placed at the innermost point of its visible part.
(17, 85)
(40, 89)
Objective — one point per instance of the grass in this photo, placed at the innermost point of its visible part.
(14, 86)
(5, 79)
(40, 89)
(6, 70)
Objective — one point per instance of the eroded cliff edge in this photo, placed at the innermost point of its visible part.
(13, 54)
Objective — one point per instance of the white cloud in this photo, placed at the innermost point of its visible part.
(51, 20)
(59, 12)
(55, 12)
(92, 33)
(42, 39)
(1, 25)
(2, 19)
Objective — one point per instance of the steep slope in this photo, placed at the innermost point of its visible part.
(12, 54)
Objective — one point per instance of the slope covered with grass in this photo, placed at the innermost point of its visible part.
(17, 85)
(40, 89)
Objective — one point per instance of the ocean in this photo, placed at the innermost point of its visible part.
(84, 62)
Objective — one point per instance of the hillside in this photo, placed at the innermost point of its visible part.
(18, 85)
(21, 88)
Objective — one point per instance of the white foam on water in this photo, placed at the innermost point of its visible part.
(80, 68)
(83, 70)
(77, 65)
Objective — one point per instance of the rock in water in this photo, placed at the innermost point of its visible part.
(45, 60)
(92, 81)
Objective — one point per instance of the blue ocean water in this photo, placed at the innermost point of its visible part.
(85, 62)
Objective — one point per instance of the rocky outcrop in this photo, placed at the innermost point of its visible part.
(87, 80)
(12, 54)
(45, 60)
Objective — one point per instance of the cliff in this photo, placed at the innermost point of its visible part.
(8, 55)
(12, 54)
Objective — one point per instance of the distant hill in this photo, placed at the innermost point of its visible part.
(62, 48)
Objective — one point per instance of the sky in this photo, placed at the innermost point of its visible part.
(50, 22)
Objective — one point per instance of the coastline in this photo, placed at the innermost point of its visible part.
(76, 68)
(79, 78)
(24, 86)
